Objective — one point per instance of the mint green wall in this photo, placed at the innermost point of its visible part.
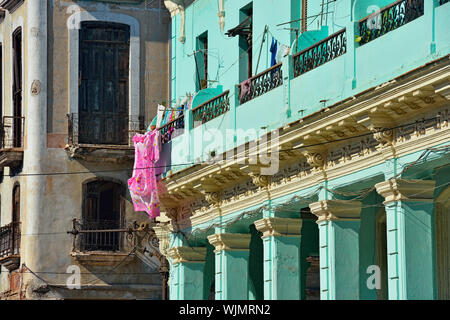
(361, 68)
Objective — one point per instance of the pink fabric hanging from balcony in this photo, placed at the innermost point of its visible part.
(143, 185)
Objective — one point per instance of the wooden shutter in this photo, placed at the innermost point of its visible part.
(104, 78)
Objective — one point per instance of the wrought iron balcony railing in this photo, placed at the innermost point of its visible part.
(320, 53)
(389, 18)
(97, 235)
(11, 132)
(211, 109)
(103, 129)
(10, 240)
(170, 128)
(261, 83)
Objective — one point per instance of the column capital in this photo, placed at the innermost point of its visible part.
(336, 210)
(187, 254)
(230, 241)
(406, 190)
(284, 227)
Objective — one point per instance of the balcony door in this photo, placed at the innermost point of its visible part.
(103, 205)
(103, 83)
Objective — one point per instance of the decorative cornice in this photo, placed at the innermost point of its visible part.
(279, 227)
(260, 181)
(336, 210)
(164, 239)
(213, 198)
(230, 241)
(406, 190)
(187, 254)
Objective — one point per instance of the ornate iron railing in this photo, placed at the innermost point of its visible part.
(441, 2)
(11, 132)
(97, 235)
(320, 53)
(389, 18)
(170, 128)
(10, 240)
(261, 83)
(211, 109)
(120, 131)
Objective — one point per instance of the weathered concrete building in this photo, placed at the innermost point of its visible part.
(78, 78)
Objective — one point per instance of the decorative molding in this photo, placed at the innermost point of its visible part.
(177, 7)
(187, 254)
(279, 227)
(213, 198)
(230, 241)
(260, 181)
(406, 190)
(336, 210)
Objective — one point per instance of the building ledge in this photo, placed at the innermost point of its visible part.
(11, 262)
(103, 258)
(101, 153)
(11, 157)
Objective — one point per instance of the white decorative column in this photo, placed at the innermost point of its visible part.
(35, 106)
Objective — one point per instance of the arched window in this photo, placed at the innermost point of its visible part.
(103, 207)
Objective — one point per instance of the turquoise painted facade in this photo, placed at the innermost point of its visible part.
(371, 223)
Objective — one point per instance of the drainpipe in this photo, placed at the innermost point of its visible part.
(35, 94)
(221, 15)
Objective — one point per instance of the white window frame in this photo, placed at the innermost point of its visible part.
(73, 26)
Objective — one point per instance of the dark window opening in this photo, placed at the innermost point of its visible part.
(245, 32)
(201, 61)
(17, 88)
(15, 243)
(103, 203)
(103, 83)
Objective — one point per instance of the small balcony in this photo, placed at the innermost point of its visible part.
(10, 246)
(11, 141)
(260, 84)
(99, 242)
(390, 18)
(105, 138)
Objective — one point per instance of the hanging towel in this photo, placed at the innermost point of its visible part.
(159, 115)
(245, 89)
(143, 185)
(282, 51)
(273, 51)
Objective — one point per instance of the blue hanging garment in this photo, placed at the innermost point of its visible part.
(273, 51)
